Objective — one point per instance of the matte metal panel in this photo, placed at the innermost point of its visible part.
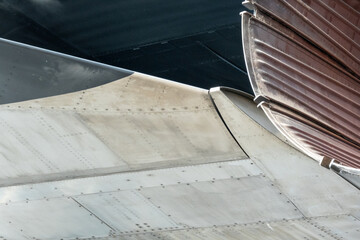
(324, 228)
(28, 72)
(242, 200)
(137, 122)
(130, 181)
(43, 142)
(60, 218)
(127, 211)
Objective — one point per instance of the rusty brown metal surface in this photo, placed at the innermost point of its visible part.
(315, 28)
(345, 10)
(334, 23)
(316, 97)
(313, 137)
(354, 4)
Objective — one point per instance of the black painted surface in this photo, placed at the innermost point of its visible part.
(197, 42)
(28, 73)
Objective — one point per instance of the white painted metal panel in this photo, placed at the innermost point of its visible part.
(130, 181)
(60, 218)
(204, 204)
(127, 211)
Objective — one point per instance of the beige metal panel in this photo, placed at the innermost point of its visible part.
(138, 122)
(205, 204)
(161, 137)
(49, 219)
(314, 190)
(38, 142)
(130, 181)
(127, 211)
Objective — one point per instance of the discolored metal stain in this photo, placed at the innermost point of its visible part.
(312, 96)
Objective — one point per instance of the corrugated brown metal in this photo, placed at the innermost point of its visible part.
(315, 28)
(317, 98)
(344, 10)
(290, 73)
(312, 137)
(338, 20)
(354, 4)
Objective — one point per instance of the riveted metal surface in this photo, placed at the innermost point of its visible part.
(323, 228)
(139, 122)
(129, 181)
(127, 211)
(339, 227)
(313, 189)
(41, 220)
(242, 200)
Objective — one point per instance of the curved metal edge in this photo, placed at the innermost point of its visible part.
(236, 91)
(265, 123)
(265, 106)
(245, 21)
(351, 175)
(50, 52)
(210, 93)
